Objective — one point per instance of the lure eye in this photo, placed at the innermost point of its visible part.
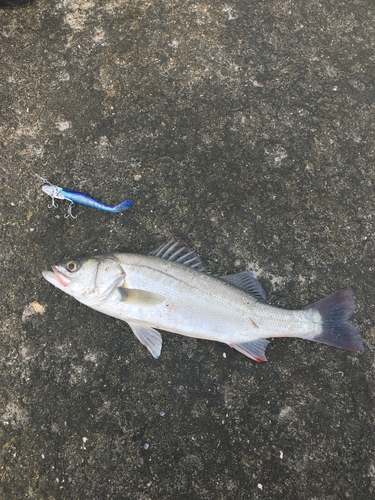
(73, 265)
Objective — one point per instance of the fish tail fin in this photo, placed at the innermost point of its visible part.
(335, 311)
(123, 206)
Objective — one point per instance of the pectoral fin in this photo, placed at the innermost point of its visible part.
(149, 337)
(254, 350)
(139, 297)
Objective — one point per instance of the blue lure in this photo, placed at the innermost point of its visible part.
(58, 193)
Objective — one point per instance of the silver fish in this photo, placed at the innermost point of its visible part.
(170, 290)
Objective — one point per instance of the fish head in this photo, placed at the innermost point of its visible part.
(52, 191)
(88, 280)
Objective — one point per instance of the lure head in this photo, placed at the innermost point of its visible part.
(88, 280)
(53, 191)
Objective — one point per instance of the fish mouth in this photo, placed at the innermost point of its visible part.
(56, 278)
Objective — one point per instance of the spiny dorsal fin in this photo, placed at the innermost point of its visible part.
(247, 282)
(178, 252)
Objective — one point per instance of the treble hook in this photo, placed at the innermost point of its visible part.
(53, 204)
(70, 212)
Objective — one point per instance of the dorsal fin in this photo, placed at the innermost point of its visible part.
(247, 282)
(178, 252)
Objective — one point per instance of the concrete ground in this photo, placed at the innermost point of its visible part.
(247, 130)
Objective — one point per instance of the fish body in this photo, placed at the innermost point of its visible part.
(170, 290)
(59, 193)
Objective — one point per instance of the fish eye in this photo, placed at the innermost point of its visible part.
(73, 265)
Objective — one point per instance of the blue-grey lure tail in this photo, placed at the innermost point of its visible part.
(57, 193)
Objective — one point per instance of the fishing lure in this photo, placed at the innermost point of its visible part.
(57, 193)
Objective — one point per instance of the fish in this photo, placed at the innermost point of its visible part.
(170, 290)
(59, 193)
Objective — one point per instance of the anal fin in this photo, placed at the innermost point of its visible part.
(254, 350)
(149, 337)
